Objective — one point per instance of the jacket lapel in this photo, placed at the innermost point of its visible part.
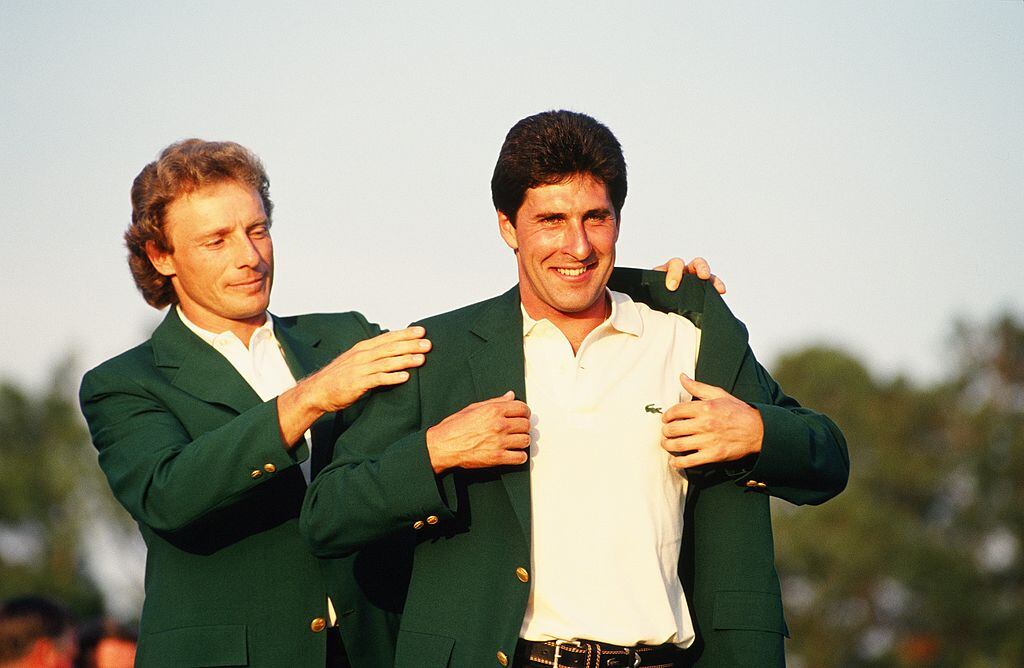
(496, 367)
(195, 367)
(305, 355)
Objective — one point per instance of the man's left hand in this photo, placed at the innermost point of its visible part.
(676, 267)
(718, 428)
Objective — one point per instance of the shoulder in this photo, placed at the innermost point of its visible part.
(329, 325)
(653, 319)
(130, 361)
(125, 370)
(466, 316)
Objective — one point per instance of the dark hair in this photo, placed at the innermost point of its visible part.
(182, 168)
(551, 147)
(26, 619)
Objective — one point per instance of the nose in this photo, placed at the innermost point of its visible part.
(247, 254)
(576, 241)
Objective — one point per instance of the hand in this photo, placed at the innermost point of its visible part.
(676, 267)
(370, 363)
(495, 432)
(718, 428)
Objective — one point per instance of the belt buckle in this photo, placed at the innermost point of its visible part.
(558, 649)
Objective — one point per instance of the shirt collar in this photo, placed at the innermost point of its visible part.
(219, 339)
(624, 316)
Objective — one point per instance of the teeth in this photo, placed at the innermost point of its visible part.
(572, 272)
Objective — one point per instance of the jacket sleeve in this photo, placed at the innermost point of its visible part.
(165, 477)
(172, 461)
(803, 458)
(380, 481)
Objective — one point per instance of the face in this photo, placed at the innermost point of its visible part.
(564, 240)
(222, 265)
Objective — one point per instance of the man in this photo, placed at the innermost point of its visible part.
(565, 532)
(36, 632)
(204, 431)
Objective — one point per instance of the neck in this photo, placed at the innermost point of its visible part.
(242, 328)
(575, 326)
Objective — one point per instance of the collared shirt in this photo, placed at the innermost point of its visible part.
(261, 364)
(607, 508)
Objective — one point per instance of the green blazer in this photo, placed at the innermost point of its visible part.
(471, 529)
(195, 456)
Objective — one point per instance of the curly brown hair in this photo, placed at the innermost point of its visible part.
(181, 169)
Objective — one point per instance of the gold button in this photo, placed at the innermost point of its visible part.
(751, 483)
(269, 468)
(256, 473)
(761, 485)
(317, 625)
(522, 574)
(432, 519)
(502, 659)
(418, 524)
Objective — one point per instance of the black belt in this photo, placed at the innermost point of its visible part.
(593, 654)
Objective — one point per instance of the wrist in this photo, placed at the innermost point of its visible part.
(438, 461)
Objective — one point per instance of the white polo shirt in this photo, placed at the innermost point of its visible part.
(607, 509)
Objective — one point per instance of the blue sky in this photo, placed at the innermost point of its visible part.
(852, 169)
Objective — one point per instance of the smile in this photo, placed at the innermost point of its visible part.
(572, 272)
(258, 280)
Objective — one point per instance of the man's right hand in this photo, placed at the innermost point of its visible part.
(371, 363)
(495, 432)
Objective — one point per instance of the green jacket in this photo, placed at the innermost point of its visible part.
(471, 529)
(195, 456)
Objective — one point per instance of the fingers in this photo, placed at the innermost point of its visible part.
(700, 267)
(407, 334)
(505, 397)
(701, 390)
(718, 284)
(674, 270)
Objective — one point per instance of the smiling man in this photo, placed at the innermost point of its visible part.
(567, 503)
(205, 431)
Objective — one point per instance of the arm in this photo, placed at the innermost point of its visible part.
(392, 474)
(768, 442)
(165, 478)
(171, 459)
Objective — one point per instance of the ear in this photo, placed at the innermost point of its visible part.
(161, 260)
(508, 231)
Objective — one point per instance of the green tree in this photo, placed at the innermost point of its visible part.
(918, 562)
(51, 487)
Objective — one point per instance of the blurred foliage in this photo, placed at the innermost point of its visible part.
(51, 490)
(919, 562)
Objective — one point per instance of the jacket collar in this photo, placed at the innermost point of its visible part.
(196, 367)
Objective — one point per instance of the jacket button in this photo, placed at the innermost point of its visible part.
(256, 473)
(269, 468)
(418, 524)
(751, 483)
(502, 659)
(317, 625)
(761, 485)
(432, 519)
(522, 574)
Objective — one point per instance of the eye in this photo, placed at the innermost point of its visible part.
(213, 244)
(259, 232)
